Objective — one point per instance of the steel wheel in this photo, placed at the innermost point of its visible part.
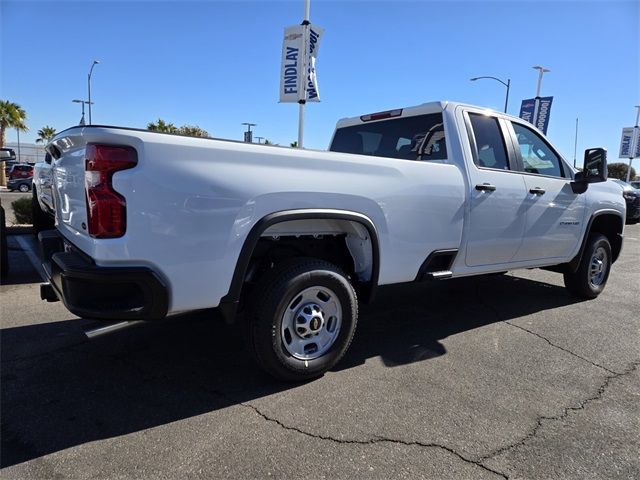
(311, 323)
(301, 318)
(598, 267)
(23, 188)
(591, 276)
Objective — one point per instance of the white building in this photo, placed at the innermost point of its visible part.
(28, 152)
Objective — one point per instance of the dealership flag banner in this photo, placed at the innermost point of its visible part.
(526, 109)
(630, 143)
(537, 111)
(294, 63)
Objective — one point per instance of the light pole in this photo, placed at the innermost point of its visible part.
(635, 128)
(82, 102)
(95, 62)
(507, 84)
(248, 135)
(541, 71)
(259, 139)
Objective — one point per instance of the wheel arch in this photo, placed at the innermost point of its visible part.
(610, 224)
(275, 224)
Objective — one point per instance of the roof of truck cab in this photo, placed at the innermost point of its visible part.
(423, 109)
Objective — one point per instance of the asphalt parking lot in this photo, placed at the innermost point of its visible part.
(493, 377)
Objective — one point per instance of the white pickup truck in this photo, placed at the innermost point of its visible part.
(288, 240)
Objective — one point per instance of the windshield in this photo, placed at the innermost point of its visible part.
(397, 138)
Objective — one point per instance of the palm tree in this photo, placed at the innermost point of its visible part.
(193, 131)
(45, 134)
(162, 126)
(12, 115)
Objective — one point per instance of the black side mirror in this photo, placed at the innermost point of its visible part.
(594, 169)
(47, 158)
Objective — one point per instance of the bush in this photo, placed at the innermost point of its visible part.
(23, 211)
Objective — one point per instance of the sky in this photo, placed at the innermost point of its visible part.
(216, 64)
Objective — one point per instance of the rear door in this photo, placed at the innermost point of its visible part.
(497, 192)
(554, 214)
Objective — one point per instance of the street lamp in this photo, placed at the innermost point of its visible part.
(82, 102)
(248, 135)
(507, 84)
(95, 62)
(541, 71)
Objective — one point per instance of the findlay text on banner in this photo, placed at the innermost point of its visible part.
(292, 63)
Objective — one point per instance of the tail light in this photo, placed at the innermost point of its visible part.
(106, 208)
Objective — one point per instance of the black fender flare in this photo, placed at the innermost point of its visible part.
(229, 303)
(575, 261)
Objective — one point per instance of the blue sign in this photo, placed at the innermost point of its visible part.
(537, 111)
(542, 114)
(527, 109)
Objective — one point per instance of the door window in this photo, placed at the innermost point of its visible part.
(537, 156)
(490, 149)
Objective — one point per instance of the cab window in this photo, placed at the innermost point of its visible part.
(490, 149)
(402, 138)
(537, 156)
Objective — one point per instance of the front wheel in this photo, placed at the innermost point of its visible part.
(301, 319)
(589, 280)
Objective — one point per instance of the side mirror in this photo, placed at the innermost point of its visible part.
(47, 158)
(594, 169)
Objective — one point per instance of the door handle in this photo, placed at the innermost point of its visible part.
(486, 187)
(537, 191)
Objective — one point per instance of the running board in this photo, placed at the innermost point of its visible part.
(110, 328)
(442, 275)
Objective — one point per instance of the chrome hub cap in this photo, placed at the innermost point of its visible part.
(598, 267)
(311, 323)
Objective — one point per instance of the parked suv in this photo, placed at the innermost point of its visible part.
(632, 198)
(20, 178)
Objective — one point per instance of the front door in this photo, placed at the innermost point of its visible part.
(554, 214)
(497, 193)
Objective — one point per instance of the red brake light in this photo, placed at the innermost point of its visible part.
(106, 208)
(380, 115)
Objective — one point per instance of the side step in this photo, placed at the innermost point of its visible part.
(442, 275)
(110, 328)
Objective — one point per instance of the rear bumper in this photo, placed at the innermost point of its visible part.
(101, 293)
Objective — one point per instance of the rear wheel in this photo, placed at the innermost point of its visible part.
(23, 187)
(301, 319)
(589, 280)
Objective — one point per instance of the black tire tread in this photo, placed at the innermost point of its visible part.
(577, 282)
(268, 291)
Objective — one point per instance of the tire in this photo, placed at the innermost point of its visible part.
(24, 188)
(301, 319)
(589, 280)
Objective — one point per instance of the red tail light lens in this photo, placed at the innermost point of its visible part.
(106, 208)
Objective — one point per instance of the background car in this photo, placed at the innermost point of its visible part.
(632, 197)
(20, 178)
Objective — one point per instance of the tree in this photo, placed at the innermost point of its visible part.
(162, 126)
(193, 131)
(45, 134)
(267, 142)
(168, 127)
(294, 144)
(619, 171)
(12, 115)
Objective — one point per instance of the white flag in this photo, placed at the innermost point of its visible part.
(292, 65)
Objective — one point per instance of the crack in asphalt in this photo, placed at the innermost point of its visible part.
(562, 348)
(496, 313)
(371, 441)
(564, 414)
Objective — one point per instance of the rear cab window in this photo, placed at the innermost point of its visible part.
(418, 137)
